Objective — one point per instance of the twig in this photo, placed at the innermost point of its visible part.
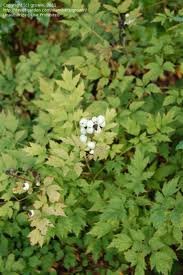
(19, 177)
(127, 149)
(174, 27)
(98, 173)
(88, 166)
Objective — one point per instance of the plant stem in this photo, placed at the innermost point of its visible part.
(174, 27)
(88, 166)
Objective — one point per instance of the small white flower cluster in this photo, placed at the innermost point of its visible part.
(91, 126)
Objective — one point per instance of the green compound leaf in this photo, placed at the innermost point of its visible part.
(170, 188)
(121, 242)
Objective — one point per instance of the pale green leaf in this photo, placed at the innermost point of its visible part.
(93, 6)
(124, 6)
(171, 187)
(122, 242)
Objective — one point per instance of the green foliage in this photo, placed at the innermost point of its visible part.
(118, 211)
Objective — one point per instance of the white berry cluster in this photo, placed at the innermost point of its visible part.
(26, 185)
(91, 126)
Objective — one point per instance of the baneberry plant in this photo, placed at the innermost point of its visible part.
(91, 139)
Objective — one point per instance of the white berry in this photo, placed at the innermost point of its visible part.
(91, 152)
(83, 138)
(83, 131)
(83, 122)
(90, 130)
(94, 119)
(100, 119)
(91, 145)
(89, 123)
(37, 183)
(25, 186)
(31, 213)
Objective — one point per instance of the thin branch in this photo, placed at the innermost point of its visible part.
(98, 173)
(174, 27)
(19, 177)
